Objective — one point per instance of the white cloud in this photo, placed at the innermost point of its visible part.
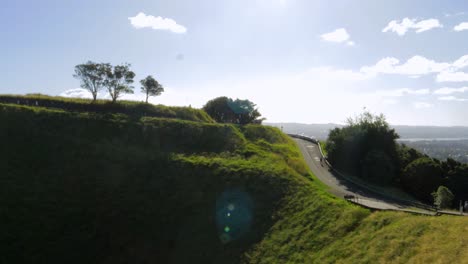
(407, 23)
(462, 62)
(77, 93)
(462, 26)
(417, 65)
(422, 105)
(335, 74)
(402, 92)
(454, 14)
(448, 76)
(340, 35)
(452, 98)
(447, 90)
(141, 20)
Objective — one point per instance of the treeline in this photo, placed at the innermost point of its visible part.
(366, 147)
(116, 79)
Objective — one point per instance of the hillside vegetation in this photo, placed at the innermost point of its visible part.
(110, 187)
(367, 148)
(130, 108)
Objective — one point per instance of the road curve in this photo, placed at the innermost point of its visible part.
(340, 186)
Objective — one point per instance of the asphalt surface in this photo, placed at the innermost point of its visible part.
(342, 187)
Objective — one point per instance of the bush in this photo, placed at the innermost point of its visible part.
(422, 177)
(443, 198)
(227, 110)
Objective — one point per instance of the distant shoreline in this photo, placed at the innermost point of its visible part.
(430, 139)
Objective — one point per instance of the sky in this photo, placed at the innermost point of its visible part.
(305, 61)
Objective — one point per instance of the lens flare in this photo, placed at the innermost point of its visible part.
(234, 213)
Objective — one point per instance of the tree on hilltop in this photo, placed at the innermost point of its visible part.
(118, 81)
(151, 87)
(92, 76)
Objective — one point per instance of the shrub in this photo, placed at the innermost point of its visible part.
(443, 198)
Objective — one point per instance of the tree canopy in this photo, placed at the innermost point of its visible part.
(119, 80)
(226, 110)
(151, 87)
(365, 147)
(92, 76)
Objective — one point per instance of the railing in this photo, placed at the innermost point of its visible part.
(363, 185)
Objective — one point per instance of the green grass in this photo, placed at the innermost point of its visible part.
(323, 145)
(130, 108)
(87, 187)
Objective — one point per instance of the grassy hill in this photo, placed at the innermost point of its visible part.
(112, 186)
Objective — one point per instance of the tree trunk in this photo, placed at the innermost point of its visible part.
(147, 97)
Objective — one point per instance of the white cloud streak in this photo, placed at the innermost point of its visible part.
(422, 105)
(411, 23)
(448, 90)
(141, 20)
(403, 92)
(452, 98)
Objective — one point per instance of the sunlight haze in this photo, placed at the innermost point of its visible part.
(299, 61)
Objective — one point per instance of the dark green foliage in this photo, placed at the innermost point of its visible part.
(108, 188)
(151, 87)
(366, 148)
(377, 166)
(130, 108)
(456, 174)
(227, 110)
(92, 76)
(422, 177)
(118, 81)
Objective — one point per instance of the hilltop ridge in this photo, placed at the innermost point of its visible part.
(116, 187)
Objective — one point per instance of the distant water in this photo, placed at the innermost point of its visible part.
(431, 139)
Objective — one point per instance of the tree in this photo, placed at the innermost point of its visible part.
(244, 111)
(151, 87)
(118, 81)
(227, 110)
(422, 177)
(92, 76)
(378, 167)
(365, 147)
(443, 197)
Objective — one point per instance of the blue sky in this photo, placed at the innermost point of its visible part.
(299, 60)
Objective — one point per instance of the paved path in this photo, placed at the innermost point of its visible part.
(341, 187)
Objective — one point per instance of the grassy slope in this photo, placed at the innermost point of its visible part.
(144, 190)
(131, 108)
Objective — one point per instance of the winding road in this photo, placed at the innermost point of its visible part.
(342, 187)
